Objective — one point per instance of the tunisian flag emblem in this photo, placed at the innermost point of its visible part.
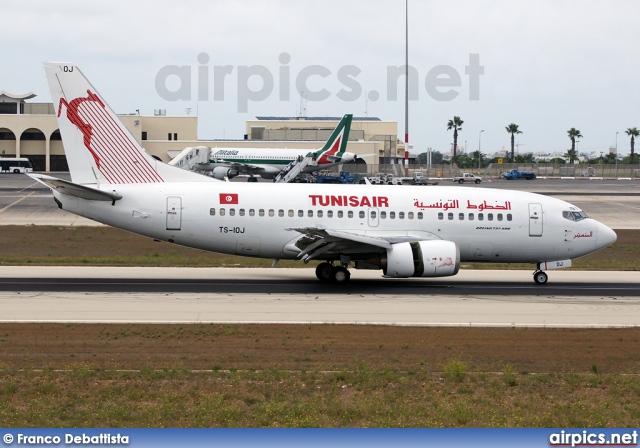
(228, 198)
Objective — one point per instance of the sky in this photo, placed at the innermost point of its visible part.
(546, 66)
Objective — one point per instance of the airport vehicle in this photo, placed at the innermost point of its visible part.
(420, 179)
(517, 174)
(269, 163)
(344, 177)
(467, 177)
(405, 232)
(15, 165)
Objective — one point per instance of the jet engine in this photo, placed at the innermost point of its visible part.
(434, 258)
(220, 172)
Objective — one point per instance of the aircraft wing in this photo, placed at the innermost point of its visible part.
(317, 241)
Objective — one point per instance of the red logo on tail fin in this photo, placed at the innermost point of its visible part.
(74, 117)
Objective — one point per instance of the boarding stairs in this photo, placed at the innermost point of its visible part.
(292, 170)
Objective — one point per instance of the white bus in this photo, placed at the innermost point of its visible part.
(15, 165)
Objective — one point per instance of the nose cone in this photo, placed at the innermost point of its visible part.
(606, 236)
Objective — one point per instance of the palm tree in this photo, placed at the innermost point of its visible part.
(573, 134)
(477, 157)
(513, 130)
(633, 132)
(570, 154)
(455, 124)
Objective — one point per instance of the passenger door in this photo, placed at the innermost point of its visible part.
(535, 220)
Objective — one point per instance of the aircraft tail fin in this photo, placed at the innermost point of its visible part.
(336, 145)
(98, 146)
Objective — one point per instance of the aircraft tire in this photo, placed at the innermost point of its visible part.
(340, 275)
(324, 272)
(540, 277)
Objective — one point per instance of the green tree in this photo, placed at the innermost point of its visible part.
(633, 132)
(436, 158)
(456, 125)
(573, 134)
(571, 155)
(525, 158)
(513, 130)
(477, 158)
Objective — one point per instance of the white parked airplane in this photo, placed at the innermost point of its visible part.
(268, 163)
(405, 232)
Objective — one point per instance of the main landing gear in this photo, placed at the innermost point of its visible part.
(540, 277)
(328, 273)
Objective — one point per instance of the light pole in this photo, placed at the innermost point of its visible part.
(616, 153)
(479, 149)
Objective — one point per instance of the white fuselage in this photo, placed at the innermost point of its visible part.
(237, 218)
(272, 160)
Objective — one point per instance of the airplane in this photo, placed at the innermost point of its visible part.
(405, 232)
(268, 163)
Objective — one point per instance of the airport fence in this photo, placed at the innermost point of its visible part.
(495, 170)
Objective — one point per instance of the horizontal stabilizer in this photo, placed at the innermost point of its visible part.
(77, 190)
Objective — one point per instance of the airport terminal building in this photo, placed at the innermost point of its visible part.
(30, 129)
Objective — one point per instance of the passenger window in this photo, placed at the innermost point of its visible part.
(212, 211)
(461, 216)
(300, 213)
(241, 212)
(410, 215)
(310, 213)
(252, 212)
(290, 213)
(480, 216)
(401, 215)
(392, 215)
(261, 212)
(340, 213)
(489, 216)
(271, 212)
(362, 214)
(450, 216)
(329, 213)
(373, 214)
(232, 212)
(383, 215)
(471, 216)
(221, 212)
(499, 216)
(350, 214)
(281, 213)
(509, 217)
(319, 214)
(420, 215)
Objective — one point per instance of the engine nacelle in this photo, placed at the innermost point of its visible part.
(435, 258)
(220, 172)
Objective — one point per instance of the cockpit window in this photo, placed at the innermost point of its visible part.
(574, 216)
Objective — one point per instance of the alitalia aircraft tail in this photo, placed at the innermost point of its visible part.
(99, 148)
(335, 147)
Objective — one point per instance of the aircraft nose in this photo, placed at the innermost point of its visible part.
(606, 236)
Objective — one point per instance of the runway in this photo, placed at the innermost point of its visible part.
(249, 295)
(229, 295)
